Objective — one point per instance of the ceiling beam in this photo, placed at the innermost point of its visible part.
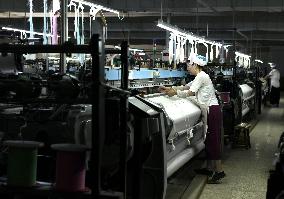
(206, 11)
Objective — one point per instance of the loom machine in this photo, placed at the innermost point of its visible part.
(164, 133)
(159, 139)
(245, 78)
(236, 85)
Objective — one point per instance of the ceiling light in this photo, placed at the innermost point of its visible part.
(97, 6)
(135, 50)
(130, 49)
(242, 55)
(25, 31)
(53, 58)
(72, 59)
(183, 33)
(259, 61)
(171, 28)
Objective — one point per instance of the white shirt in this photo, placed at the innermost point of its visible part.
(275, 78)
(204, 90)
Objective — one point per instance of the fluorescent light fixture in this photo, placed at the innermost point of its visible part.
(72, 59)
(242, 55)
(34, 38)
(270, 63)
(183, 33)
(142, 54)
(135, 50)
(130, 49)
(259, 61)
(53, 58)
(96, 6)
(227, 46)
(25, 31)
(60, 36)
(171, 28)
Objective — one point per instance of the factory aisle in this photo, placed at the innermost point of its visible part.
(247, 170)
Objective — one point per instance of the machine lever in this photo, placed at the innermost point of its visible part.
(172, 143)
(189, 135)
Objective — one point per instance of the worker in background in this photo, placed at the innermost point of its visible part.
(203, 89)
(274, 77)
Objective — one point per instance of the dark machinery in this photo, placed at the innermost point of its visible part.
(155, 135)
(240, 91)
(166, 133)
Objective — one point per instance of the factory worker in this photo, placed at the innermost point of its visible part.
(203, 89)
(274, 77)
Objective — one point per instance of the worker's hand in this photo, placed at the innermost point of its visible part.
(171, 92)
(163, 89)
(267, 77)
(262, 79)
(190, 93)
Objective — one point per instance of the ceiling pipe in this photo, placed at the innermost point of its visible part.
(204, 4)
(242, 34)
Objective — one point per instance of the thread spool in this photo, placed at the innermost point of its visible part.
(225, 97)
(70, 167)
(22, 162)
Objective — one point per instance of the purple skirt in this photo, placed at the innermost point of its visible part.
(213, 136)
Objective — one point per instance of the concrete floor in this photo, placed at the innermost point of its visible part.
(184, 182)
(247, 170)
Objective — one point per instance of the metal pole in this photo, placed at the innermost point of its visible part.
(197, 19)
(258, 87)
(234, 46)
(98, 113)
(174, 55)
(64, 34)
(124, 116)
(124, 67)
(167, 32)
(251, 40)
(234, 25)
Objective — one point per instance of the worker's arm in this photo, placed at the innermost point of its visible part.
(269, 75)
(185, 93)
(196, 84)
(167, 90)
(163, 89)
(171, 92)
(182, 91)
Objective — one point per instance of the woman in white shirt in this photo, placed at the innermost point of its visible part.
(202, 87)
(274, 76)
